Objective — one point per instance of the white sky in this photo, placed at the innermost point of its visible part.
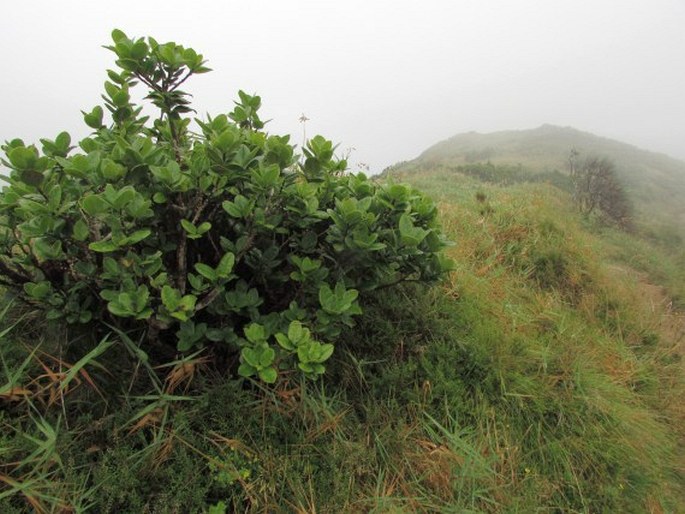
(387, 78)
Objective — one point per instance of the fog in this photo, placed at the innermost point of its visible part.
(384, 79)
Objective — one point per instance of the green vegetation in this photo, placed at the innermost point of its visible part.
(598, 191)
(544, 374)
(220, 237)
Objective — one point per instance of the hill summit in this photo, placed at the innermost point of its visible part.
(655, 182)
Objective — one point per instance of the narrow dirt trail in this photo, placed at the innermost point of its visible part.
(672, 322)
(670, 326)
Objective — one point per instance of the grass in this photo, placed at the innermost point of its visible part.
(538, 378)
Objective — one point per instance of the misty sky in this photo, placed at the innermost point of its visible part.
(387, 78)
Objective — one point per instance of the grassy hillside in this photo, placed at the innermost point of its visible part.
(655, 181)
(544, 375)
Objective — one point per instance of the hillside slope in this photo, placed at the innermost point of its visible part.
(545, 374)
(655, 182)
(539, 377)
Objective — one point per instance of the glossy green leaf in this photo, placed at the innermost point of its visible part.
(232, 209)
(137, 236)
(245, 370)
(225, 266)
(268, 375)
(296, 332)
(112, 170)
(285, 342)
(23, 158)
(171, 298)
(94, 205)
(81, 231)
(251, 357)
(188, 227)
(255, 333)
(94, 118)
(103, 246)
(206, 271)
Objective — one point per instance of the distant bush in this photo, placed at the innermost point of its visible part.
(221, 236)
(597, 189)
(507, 174)
(481, 154)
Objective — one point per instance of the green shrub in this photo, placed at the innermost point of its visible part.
(223, 236)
